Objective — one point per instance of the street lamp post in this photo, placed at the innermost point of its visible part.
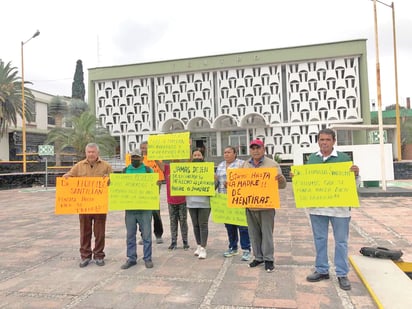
(398, 125)
(378, 88)
(398, 122)
(23, 103)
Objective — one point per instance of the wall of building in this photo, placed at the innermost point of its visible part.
(36, 131)
(282, 96)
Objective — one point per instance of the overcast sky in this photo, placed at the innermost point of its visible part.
(106, 33)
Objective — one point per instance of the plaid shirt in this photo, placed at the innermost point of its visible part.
(221, 173)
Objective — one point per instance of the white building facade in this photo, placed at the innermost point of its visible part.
(282, 96)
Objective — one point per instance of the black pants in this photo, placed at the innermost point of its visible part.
(157, 223)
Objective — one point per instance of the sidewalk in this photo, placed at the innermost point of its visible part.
(39, 261)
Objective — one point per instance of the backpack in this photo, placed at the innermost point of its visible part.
(382, 253)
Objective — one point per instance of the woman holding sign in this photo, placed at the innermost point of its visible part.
(233, 231)
(199, 210)
(177, 213)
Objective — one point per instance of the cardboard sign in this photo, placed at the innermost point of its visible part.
(253, 188)
(193, 179)
(223, 214)
(134, 191)
(81, 195)
(324, 185)
(169, 146)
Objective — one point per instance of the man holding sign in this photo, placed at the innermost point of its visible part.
(140, 217)
(261, 221)
(338, 216)
(92, 166)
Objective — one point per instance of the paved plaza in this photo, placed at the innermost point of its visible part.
(39, 257)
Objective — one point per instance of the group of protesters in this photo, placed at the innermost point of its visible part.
(255, 239)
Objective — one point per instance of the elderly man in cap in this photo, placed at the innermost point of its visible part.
(138, 216)
(261, 221)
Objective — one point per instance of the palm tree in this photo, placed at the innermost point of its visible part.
(84, 130)
(11, 97)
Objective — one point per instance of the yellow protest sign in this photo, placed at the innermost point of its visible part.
(324, 185)
(195, 179)
(134, 191)
(223, 214)
(169, 146)
(81, 195)
(253, 188)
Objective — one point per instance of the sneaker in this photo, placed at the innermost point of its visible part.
(128, 264)
(159, 240)
(172, 246)
(344, 283)
(185, 245)
(315, 277)
(246, 255)
(202, 253)
(148, 264)
(197, 251)
(99, 262)
(84, 262)
(269, 266)
(255, 263)
(140, 242)
(230, 252)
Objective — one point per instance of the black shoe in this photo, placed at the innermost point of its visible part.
(315, 277)
(269, 266)
(148, 264)
(255, 263)
(99, 262)
(185, 245)
(128, 264)
(344, 283)
(159, 240)
(84, 262)
(172, 246)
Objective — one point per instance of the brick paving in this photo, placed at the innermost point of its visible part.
(39, 261)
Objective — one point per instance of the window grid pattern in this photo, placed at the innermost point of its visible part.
(285, 105)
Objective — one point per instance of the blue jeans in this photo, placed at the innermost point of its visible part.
(233, 235)
(144, 219)
(340, 227)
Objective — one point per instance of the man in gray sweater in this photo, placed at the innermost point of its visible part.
(261, 221)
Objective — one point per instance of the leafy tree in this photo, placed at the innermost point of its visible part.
(85, 130)
(390, 107)
(78, 89)
(11, 97)
(58, 108)
(77, 107)
(405, 125)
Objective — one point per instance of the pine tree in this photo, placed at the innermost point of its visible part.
(78, 90)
